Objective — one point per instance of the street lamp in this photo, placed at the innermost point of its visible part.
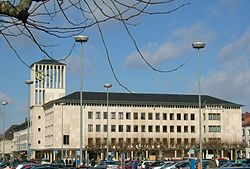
(28, 82)
(62, 104)
(81, 39)
(4, 103)
(107, 86)
(199, 45)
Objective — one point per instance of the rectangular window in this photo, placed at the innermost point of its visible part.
(192, 116)
(157, 129)
(113, 141)
(178, 116)
(120, 115)
(171, 129)
(66, 139)
(150, 128)
(39, 129)
(143, 116)
(143, 141)
(136, 141)
(90, 115)
(150, 116)
(135, 128)
(90, 128)
(128, 115)
(215, 129)
(150, 141)
(157, 116)
(165, 116)
(204, 116)
(171, 116)
(98, 141)
(105, 115)
(185, 116)
(178, 141)
(90, 141)
(192, 129)
(120, 128)
(113, 127)
(135, 116)
(213, 116)
(178, 129)
(128, 141)
(165, 141)
(98, 128)
(185, 129)
(193, 141)
(98, 115)
(172, 143)
(143, 128)
(165, 129)
(128, 128)
(113, 115)
(120, 140)
(185, 141)
(105, 127)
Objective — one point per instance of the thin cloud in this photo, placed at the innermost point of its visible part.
(176, 46)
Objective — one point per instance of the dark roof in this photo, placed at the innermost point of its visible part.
(48, 61)
(141, 98)
(9, 133)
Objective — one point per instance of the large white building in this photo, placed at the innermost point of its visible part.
(142, 125)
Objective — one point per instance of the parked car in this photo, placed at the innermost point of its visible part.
(129, 165)
(145, 164)
(159, 164)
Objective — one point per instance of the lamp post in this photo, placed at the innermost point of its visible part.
(28, 82)
(81, 39)
(107, 86)
(4, 103)
(199, 45)
(62, 104)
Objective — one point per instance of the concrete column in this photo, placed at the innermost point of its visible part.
(117, 155)
(175, 153)
(146, 154)
(232, 155)
(222, 153)
(132, 155)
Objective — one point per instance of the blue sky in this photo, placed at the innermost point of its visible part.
(165, 40)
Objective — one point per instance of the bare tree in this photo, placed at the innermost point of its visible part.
(60, 19)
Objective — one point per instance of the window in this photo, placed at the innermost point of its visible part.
(128, 141)
(150, 128)
(39, 129)
(136, 141)
(171, 129)
(143, 128)
(178, 140)
(214, 129)
(120, 140)
(150, 141)
(113, 128)
(135, 116)
(192, 116)
(185, 116)
(98, 128)
(113, 141)
(192, 129)
(39, 117)
(90, 115)
(178, 129)
(204, 116)
(98, 141)
(128, 115)
(171, 116)
(39, 141)
(105, 115)
(120, 115)
(185, 129)
(157, 116)
(105, 127)
(135, 128)
(178, 116)
(157, 129)
(213, 116)
(204, 129)
(165, 141)
(66, 139)
(143, 141)
(113, 115)
(128, 128)
(90, 128)
(143, 116)
(185, 141)
(172, 141)
(164, 116)
(120, 128)
(164, 129)
(193, 141)
(150, 116)
(90, 141)
(98, 115)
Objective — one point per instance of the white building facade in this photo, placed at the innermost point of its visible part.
(142, 125)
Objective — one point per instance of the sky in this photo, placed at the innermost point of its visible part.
(165, 41)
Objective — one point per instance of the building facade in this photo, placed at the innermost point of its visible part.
(140, 125)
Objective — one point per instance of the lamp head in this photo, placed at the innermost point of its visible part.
(28, 82)
(107, 85)
(4, 103)
(81, 38)
(198, 45)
